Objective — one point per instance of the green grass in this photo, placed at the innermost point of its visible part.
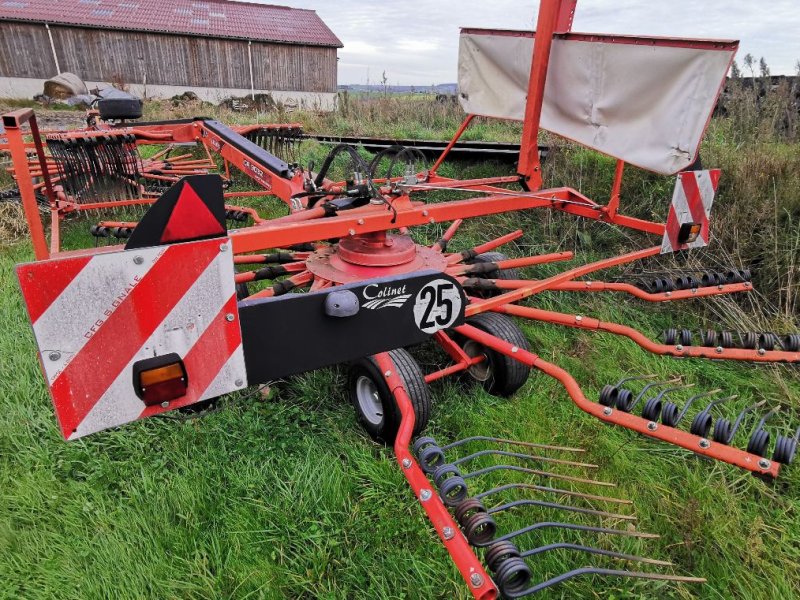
(284, 497)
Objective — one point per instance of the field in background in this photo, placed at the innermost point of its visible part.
(281, 495)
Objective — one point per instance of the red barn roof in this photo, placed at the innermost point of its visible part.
(212, 18)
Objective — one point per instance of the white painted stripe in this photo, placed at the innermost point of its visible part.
(706, 187)
(88, 300)
(178, 332)
(232, 371)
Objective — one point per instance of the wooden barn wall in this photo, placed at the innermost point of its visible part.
(127, 57)
(25, 51)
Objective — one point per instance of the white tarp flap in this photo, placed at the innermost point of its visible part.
(645, 103)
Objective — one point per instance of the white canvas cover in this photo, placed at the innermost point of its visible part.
(646, 102)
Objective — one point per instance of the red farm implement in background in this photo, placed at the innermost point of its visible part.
(176, 308)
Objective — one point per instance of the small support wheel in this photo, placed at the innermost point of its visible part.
(505, 375)
(375, 405)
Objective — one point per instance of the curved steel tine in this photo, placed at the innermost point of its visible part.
(591, 550)
(636, 378)
(646, 389)
(663, 393)
(691, 400)
(547, 459)
(740, 417)
(536, 472)
(556, 506)
(766, 417)
(484, 438)
(573, 527)
(711, 405)
(607, 572)
(543, 488)
(797, 434)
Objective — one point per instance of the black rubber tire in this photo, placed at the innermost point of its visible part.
(120, 108)
(507, 375)
(499, 273)
(414, 382)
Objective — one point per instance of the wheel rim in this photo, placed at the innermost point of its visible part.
(480, 371)
(369, 400)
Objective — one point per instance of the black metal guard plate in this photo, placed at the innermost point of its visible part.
(293, 333)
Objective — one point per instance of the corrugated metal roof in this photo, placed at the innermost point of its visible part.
(214, 18)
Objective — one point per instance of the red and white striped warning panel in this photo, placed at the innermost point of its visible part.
(690, 211)
(95, 317)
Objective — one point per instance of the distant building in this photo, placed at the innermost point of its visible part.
(162, 48)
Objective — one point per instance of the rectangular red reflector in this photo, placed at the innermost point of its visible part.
(160, 379)
(689, 232)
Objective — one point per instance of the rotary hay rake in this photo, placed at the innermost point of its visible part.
(189, 310)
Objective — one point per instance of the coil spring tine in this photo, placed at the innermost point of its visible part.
(759, 438)
(652, 407)
(702, 421)
(575, 527)
(493, 468)
(556, 506)
(677, 417)
(543, 488)
(592, 550)
(786, 448)
(483, 438)
(630, 405)
(597, 571)
(724, 432)
(546, 459)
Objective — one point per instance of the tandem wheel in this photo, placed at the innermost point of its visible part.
(499, 374)
(375, 405)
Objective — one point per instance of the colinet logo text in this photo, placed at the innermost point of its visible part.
(384, 296)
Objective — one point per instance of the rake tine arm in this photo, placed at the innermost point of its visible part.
(662, 432)
(510, 263)
(605, 572)
(287, 285)
(320, 284)
(272, 258)
(270, 272)
(490, 245)
(441, 244)
(539, 286)
(600, 286)
(581, 322)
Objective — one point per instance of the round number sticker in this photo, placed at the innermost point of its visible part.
(437, 306)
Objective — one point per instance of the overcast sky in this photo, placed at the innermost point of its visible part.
(416, 42)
